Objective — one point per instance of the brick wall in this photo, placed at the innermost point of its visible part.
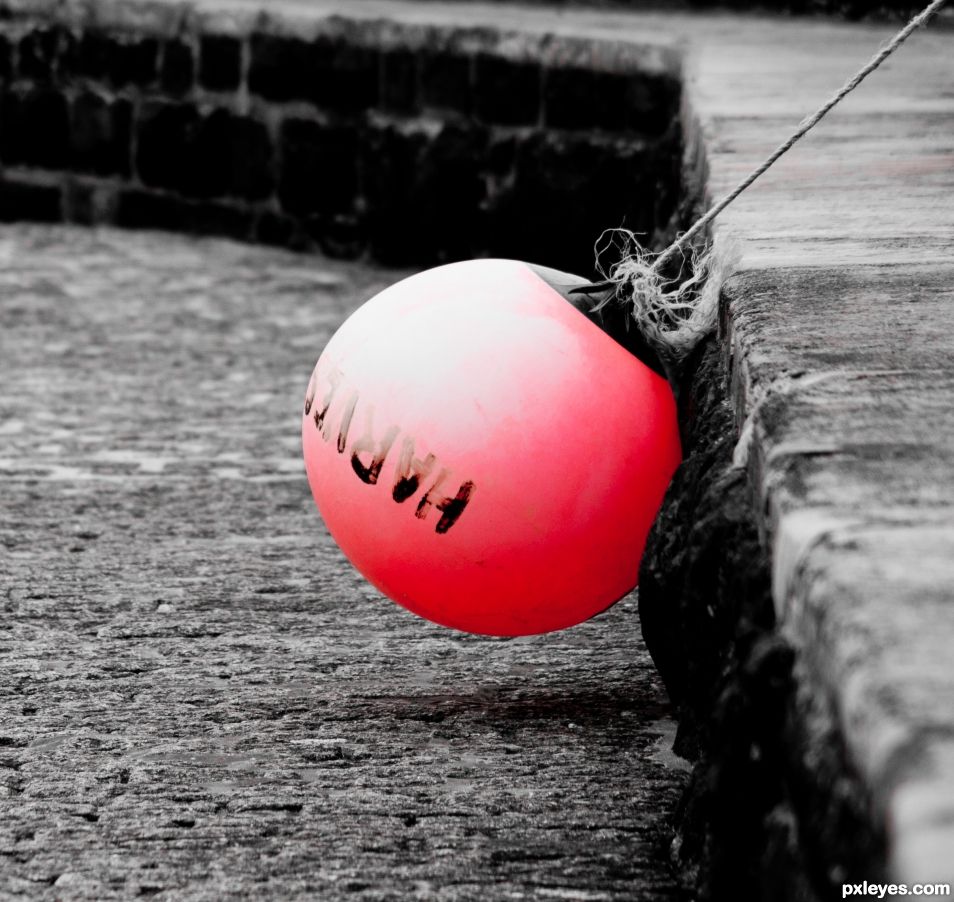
(413, 145)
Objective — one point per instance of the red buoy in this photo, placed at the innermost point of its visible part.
(484, 454)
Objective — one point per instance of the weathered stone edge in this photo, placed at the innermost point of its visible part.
(828, 612)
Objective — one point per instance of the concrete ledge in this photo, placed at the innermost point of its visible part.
(837, 326)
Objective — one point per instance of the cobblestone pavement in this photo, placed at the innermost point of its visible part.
(200, 698)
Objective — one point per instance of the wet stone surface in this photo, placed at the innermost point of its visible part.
(199, 698)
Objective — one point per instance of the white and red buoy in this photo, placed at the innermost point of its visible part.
(484, 454)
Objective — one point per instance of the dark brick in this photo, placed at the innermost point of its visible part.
(390, 164)
(576, 99)
(203, 171)
(446, 82)
(178, 68)
(215, 156)
(249, 159)
(6, 60)
(11, 131)
(80, 204)
(652, 104)
(670, 190)
(39, 51)
(424, 194)
(165, 140)
(218, 219)
(275, 229)
(101, 135)
(399, 83)
(93, 55)
(137, 209)
(100, 57)
(339, 237)
(33, 203)
(89, 204)
(583, 99)
(146, 210)
(566, 191)
(346, 77)
(135, 63)
(500, 164)
(228, 155)
(220, 67)
(35, 130)
(502, 156)
(282, 68)
(506, 92)
(319, 167)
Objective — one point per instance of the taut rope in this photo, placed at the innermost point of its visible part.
(674, 320)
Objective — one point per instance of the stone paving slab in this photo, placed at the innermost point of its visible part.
(199, 698)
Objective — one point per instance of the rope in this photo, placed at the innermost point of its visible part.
(673, 320)
(805, 126)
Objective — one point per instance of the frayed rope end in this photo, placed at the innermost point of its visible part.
(673, 316)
